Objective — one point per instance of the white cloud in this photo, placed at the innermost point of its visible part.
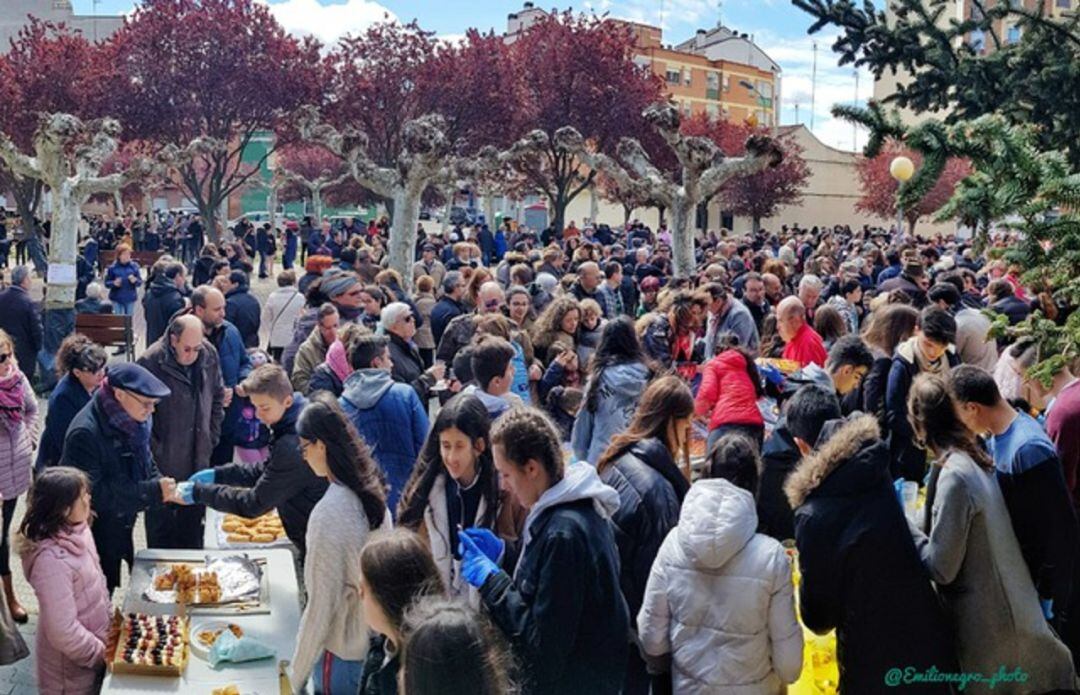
(835, 85)
(328, 23)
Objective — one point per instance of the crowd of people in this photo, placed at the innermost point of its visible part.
(545, 463)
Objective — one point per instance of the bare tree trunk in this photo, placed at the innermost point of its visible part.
(316, 204)
(403, 230)
(682, 237)
(594, 205)
(63, 246)
(756, 221)
(489, 211)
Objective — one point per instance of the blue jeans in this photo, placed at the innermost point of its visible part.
(124, 308)
(344, 676)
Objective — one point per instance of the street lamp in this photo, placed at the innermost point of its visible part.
(902, 169)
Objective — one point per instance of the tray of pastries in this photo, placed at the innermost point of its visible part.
(148, 645)
(263, 531)
(211, 582)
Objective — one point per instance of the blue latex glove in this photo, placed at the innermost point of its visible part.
(489, 544)
(475, 566)
(898, 486)
(1047, 607)
(772, 375)
(204, 476)
(186, 492)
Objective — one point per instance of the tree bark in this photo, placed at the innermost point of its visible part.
(316, 203)
(403, 230)
(489, 211)
(682, 237)
(63, 245)
(756, 224)
(594, 205)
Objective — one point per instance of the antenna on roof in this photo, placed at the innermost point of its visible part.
(719, 13)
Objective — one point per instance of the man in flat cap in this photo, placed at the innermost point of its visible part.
(109, 439)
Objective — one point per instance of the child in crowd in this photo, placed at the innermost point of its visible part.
(493, 372)
(60, 561)
(396, 569)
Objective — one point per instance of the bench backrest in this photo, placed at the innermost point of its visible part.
(107, 330)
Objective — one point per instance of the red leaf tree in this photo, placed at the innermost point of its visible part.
(220, 72)
(879, 188)
(47, 69)
(323, 177)
(579, 71)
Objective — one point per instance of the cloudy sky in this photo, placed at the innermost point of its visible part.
(776, 26)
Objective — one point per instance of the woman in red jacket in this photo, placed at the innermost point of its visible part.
(730, 388)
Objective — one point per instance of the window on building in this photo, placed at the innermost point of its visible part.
(977, 40)
(712, 110)
(1064, 4)
(712, 85)
(686, 109)
(764, 89)
(687, 74)
(763, 118)
(727, 83)
(1012, 35)
(673, 76)
(642, 61)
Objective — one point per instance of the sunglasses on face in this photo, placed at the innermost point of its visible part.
(4, 357)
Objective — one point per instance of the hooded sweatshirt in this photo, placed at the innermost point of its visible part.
(391, 419)
(617, 398)
(720, 599)
(580, 482)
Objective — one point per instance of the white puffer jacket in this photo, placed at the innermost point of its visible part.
(720, 599)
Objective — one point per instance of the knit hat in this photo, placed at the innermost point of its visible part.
(338, 283)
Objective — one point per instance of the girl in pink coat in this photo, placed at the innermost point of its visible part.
(61, 562)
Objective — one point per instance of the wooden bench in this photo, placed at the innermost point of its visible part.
(108, 330)
(145, 259)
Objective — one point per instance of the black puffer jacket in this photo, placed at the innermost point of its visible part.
(161, 301)
(244, 312)
(324, 379)
(409, 368)
(861, 573)
(779, 456)
(651, 490)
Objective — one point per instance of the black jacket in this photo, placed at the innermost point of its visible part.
(380, 674)
(161, 301)
(243, 311)
(21, 319)
(65, 402)
(409, 368)
(779, 456)
(324, 379)
(1013, 307)
(563, 612)
(283, 481)
(651, 490)
(907, 460)
(444, 311)
(872, 390)
(861, 573)
(118, 489)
